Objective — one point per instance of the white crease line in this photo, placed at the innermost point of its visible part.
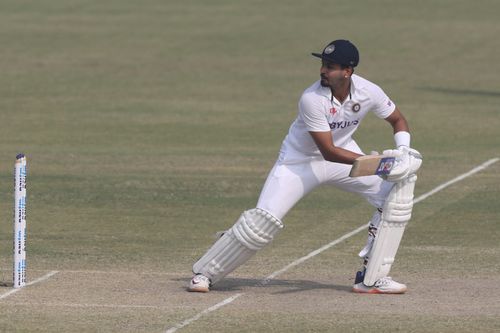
(83, 271)
(120, 272)
(327, 246)
(91, 305)
(199, 315)
(40, 279)
(314, 253)
(457, 179)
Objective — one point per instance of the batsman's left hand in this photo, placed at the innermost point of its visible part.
(408, 161)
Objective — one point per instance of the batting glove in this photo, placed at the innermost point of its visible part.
(407, 162)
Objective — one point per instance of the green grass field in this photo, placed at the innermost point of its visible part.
(150, 125)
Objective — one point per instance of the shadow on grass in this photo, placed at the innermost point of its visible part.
(6, 284)
(6, 278)
(286, 286)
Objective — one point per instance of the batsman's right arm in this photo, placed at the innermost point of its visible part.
(331, 152)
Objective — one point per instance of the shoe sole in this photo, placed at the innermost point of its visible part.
(378, 291)
(198, 290)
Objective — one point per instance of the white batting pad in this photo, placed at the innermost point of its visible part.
(396, 214)
(252, 231)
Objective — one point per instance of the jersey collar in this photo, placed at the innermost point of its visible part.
(327, 92)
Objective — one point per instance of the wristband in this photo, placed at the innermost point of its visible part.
(402, 139)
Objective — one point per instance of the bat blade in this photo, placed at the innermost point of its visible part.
(370, 165)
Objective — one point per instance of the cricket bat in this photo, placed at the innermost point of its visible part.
(370, 165)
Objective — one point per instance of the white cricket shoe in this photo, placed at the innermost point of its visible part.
(384, 285)
(199, 283)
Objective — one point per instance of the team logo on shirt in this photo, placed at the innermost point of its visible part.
(333, 111)
(356, 107)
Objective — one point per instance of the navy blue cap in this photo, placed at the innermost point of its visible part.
(341, 52)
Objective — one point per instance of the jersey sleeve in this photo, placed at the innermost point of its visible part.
(382, 104)
(312, 113)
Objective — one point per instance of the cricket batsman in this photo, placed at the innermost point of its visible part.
(319, 149)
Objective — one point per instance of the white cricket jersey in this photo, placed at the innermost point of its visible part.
(319, 111)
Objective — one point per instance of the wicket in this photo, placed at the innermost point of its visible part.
(19, 273)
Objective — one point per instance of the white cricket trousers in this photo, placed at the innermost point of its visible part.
(288, 182)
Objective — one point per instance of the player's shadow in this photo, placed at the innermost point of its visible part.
(284, 286)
